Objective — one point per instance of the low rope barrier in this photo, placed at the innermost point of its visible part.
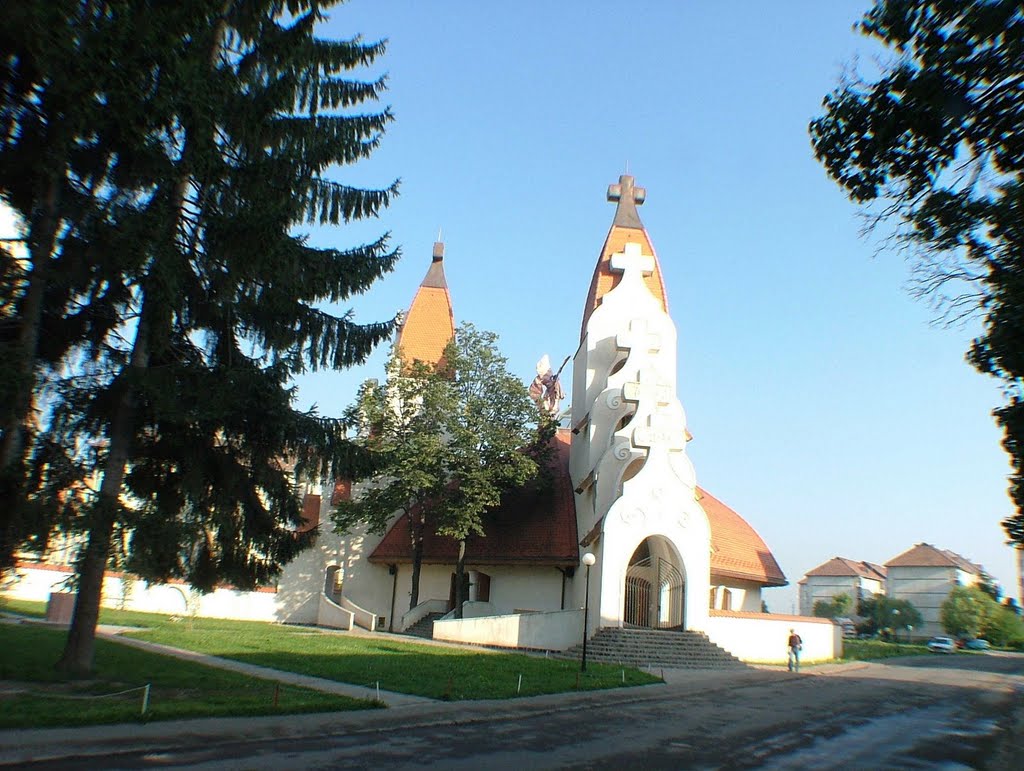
(87, 697)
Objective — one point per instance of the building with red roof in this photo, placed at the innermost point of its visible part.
(856, 579)
(924, 575)
(666, 553)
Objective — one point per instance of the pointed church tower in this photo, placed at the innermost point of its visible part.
(636, 494)
(430, 324)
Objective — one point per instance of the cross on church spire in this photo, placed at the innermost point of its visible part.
(628, 197)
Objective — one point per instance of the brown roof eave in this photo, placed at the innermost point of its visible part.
(763, 580)
(558, 562)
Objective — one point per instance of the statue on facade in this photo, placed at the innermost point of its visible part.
(546, 390)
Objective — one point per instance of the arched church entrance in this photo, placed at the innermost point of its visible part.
(332, 583)
(654, 587)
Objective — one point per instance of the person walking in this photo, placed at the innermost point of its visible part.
(794, 645)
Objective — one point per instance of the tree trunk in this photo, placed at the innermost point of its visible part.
(40, 242)
(1020, 574)
(79, 651)
(460, 582)
(418, 525)
(80, 647)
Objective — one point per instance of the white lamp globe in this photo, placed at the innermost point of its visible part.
(589, 559)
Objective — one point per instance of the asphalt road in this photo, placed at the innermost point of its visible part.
(917, 713)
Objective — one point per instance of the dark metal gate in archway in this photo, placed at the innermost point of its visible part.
(654, 594)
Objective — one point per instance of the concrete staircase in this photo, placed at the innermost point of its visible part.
(425, 627)
(659, 647)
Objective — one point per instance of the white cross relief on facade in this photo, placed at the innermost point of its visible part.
(638, 338)
(630, 259)
(647, 387)
(663, 430)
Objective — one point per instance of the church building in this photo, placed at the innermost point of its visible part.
(665, 554)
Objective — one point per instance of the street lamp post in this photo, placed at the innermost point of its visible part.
(588, 560)
(896, 626)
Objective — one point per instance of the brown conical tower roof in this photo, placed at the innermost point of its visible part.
(430, 324)
(626, 228)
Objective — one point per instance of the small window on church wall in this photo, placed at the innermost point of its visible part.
(342, 491)
(310, 512)
(726, 599)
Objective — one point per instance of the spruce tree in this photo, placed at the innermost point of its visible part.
(185, 404)
(71, 126)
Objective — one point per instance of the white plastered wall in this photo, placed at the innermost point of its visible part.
(366, 584)
(926, 588)
(761, 638)
(744, 595)
(128, 593)
(524, 588)
(629, 418)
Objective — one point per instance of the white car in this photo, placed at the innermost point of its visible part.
(942, 645)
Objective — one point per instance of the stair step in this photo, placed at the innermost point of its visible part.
(658, 647)
(424, 627)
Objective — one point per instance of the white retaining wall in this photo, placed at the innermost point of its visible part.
(761, 637)
(554, 630)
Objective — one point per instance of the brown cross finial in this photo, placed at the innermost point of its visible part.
(628, 197)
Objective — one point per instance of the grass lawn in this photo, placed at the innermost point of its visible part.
(867, 650)
(33, 695)
(406, 667)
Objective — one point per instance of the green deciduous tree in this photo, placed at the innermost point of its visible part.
(448, 443)
(966, 611)
(937, 140)
(496, 439)
(839, 606)
(402, 425)
(1004, 627)
(885, 614)
(232, 120)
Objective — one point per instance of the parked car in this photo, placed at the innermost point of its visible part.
(977, 645)
(942, 645)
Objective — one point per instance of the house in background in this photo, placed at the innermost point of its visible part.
(840, 575)
(924, 576)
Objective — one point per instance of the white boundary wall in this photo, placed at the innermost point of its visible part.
(554, 630)
(761, 637)
(37, 583)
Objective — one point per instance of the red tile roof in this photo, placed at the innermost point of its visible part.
(841, 566)
(533, 526)
(926, 555)
(430, 323)
(737, 551)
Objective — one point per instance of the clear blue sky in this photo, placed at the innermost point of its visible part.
(825, 407)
